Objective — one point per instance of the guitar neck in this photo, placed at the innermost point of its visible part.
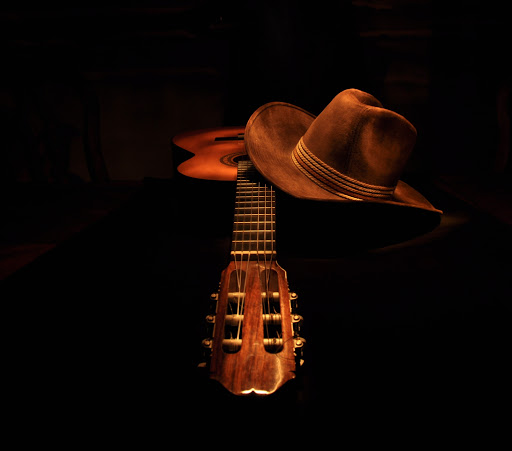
(254, 227)
(253, 345)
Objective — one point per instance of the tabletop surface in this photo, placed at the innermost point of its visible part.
(120, 309)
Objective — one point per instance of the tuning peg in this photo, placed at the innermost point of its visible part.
(297, 318)
(293, 300)
(298, 342)
(207, 344)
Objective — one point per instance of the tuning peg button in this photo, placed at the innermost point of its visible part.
(299, 342)
(293, 300)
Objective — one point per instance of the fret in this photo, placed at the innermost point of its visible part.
(260, 243)
(254, 217)
(254, 199)
(264, 214)
(255, 220)
(260, 217)
(249, 212)
(252, 196)
(256, 225)
(239, 240)
(272, 252)
(253, 235)
(251, 203)
(256, 194)
(252, 189)
(254, 242)
(253, 247)
(253, 207)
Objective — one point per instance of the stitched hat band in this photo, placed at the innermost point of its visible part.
(331, 179)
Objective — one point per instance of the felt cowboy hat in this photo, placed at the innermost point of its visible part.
(353, 151)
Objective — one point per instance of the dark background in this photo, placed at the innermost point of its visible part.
(143, 71)
(109, 256)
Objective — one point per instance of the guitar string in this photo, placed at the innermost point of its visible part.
(237, 245)
(253, 189)
(266, 213)
(236, 231)
(247, 183)
(268, 228)
(261, 206)
(241, 214)
(272, 231)
(268, 265)
(258, 248)
(239, 241)
(249, 228)
(264, 258)
(246, 229)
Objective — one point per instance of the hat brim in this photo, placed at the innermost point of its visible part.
(272, 133)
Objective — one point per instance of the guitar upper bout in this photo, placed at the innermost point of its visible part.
(215, 152)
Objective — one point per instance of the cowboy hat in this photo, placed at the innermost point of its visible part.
(353, 151)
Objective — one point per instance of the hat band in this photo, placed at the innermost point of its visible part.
(331, 180)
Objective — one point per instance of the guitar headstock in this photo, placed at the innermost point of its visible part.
(255, 345)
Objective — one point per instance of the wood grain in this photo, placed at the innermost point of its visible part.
(253, 369)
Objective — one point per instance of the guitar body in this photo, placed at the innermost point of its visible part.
(215, 151)
(255, 345)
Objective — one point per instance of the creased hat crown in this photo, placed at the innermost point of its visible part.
(354, 151)
(363, 145)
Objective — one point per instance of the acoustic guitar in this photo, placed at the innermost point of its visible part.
(255, 346)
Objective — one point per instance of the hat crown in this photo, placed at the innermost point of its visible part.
(361, 140)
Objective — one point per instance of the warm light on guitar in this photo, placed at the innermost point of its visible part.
(255, 345)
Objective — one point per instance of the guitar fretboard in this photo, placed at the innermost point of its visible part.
(254, 220)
